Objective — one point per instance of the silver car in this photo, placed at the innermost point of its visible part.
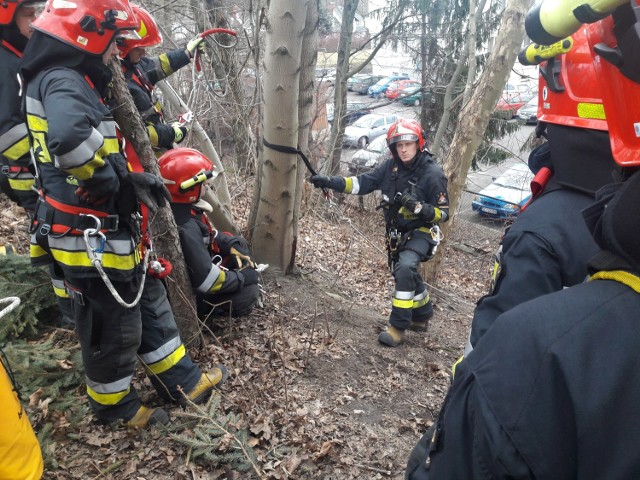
(368, 159)
(367, 129)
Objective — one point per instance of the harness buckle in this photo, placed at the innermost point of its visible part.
(45, 228)
(5, 170)
(94, 253)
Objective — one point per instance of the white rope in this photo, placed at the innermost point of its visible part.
(14, 302)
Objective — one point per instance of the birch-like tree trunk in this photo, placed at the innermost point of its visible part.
(164, 231)
(273, 236)
(475, 114)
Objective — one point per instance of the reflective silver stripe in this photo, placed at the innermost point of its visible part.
(403, 295)
(82, 153)
(73, 243)
(34, 107)
(162, 352)
(355, 186)
(213, 275)
(420, 296)
(58, 283)
(113, 387)
(12, 136)
(107, 128)
(468, 348)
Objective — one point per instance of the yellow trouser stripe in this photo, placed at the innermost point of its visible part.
(36, 251)
(60, 292)
(421, 303)
(109, 260)
(107, 398)
(402, 303)
(630, 280)
(168, 362)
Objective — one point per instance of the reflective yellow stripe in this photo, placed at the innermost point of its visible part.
(36, 251)
(168, 362)
(85, 171)
(60, 292)
(165, 65)
(107, 398)
(630, 280)
(153, 135)
(21, 185)
(455, 365)
(348, 185)
(17, 150)
(217, 285)
(437, 215)
(396, 302)
(421, 303)
(109, 260)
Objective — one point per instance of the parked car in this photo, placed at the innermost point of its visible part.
(378, 89)
(506, 196)
(354, 111)
(367, 128)
(511, 102)
(351, 81)
(364, 82)
(415, 96)
(529, 112)
(369, 158)
(396, 88)
(327, 75)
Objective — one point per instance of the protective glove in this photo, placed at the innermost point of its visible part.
(323, 181)
(149, 189)
(242, 259)
(250, 275)
(179, 132)
(415, 206)
(90, 199)
(196, 43)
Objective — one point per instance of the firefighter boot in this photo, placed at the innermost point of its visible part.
(417, 326)
(391, 337)
(208, 381)
(146, 417)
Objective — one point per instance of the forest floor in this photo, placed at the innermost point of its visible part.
(315, 393)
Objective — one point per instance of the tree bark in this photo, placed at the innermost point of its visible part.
(164, 231)
(273, 236)
(474, 116)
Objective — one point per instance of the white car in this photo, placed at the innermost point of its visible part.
(367, 128)
(369, 158)
(506, 196)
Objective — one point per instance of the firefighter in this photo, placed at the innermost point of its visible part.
(549, 391)
(142, 73)
(546, 249)
(88, 218)
(414, 201)
(220, 267)
(15, 161)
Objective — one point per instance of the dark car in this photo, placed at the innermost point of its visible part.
(415, 96)
(364, 82)
(369, 158)
(354, 111)
(529, 112)
(378, 89)
(351, 81)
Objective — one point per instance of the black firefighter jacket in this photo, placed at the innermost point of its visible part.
(424, 179)
(14, 142)
(141, 79)
(551, 392)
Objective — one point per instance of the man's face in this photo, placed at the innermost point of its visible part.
(136, 54)
(112, 51)
(406, 150)
(23, 18)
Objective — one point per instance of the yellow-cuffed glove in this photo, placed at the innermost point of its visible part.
(242, 259)
(179, 132)
(196, 43)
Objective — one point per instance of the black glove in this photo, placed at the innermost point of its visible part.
(250, 275)
(415, 206)
(323, 181)
(149, 189)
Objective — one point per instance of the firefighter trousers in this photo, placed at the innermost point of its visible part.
(113, 337)
(411, 302)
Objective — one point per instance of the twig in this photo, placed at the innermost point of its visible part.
(313, 329)
(367, 467)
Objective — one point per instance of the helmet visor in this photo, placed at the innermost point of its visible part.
(405, 137)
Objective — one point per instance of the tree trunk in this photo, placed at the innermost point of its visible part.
(273, 236)
(164, 231)
(236, 100)
(471, 52)
(340, 94)
(474, 117)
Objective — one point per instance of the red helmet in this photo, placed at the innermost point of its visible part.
(405, 131)
(8, 10)
(184, 170)
(569, 92)
(616, 42)
(148, 32)
(88, 25)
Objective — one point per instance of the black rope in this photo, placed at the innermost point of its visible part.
(294, 151)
